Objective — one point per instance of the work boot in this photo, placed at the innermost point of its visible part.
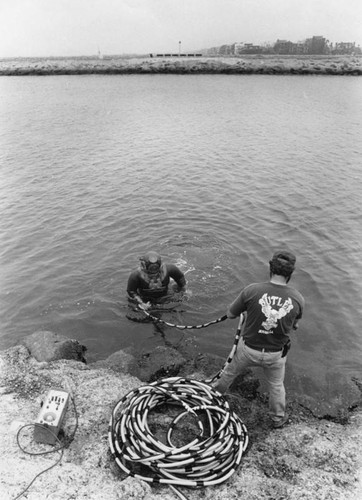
(277, 423)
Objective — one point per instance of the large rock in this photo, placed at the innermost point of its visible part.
(309, 459)
(159, 363)
(122, 361)
(49, 346)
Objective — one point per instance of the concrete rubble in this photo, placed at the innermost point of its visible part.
(310, 458)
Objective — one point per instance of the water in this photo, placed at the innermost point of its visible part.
(214, 172)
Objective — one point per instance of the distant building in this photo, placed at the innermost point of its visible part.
(226, 50)
(283, 47)
(300, 48)
(247, 48)
(316, 45)
(346, 48)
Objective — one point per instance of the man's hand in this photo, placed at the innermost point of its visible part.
(144, 305)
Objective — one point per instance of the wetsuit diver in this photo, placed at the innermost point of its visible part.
(151, 280)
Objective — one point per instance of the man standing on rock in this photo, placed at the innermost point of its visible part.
(272, 310)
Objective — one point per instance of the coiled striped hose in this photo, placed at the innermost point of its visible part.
(209, 459)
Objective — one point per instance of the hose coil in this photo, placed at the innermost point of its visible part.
(209, 459)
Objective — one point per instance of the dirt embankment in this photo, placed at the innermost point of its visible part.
(269, 65)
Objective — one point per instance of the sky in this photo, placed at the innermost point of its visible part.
(43, 28)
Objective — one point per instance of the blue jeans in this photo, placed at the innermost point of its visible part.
(274, 370)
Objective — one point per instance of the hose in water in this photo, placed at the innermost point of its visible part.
(183, 327)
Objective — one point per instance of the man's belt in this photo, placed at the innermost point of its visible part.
(264, 349)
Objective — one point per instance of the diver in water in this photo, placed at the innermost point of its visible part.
(151, 280)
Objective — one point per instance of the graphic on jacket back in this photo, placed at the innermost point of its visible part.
(273, 315)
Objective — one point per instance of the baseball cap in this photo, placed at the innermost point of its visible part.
(285, 255)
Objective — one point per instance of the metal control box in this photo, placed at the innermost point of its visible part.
(51, 416)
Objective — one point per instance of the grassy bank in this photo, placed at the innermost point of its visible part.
(271, 65)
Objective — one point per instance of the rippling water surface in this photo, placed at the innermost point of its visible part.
(215, 172)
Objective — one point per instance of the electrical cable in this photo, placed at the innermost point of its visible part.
(232, 352)
(182, 327)
(222, 318)
(209, 459)
(60, 448)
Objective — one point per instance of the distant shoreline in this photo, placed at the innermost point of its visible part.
(247, 64)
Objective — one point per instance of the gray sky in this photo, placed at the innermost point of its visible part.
(82, 27)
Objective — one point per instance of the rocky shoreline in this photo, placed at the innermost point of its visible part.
(245, 65)
(310, 458)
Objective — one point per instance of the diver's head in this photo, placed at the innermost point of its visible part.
(282, 264)
(151, 262)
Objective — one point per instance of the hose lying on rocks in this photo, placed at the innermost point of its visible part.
(209, 459)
